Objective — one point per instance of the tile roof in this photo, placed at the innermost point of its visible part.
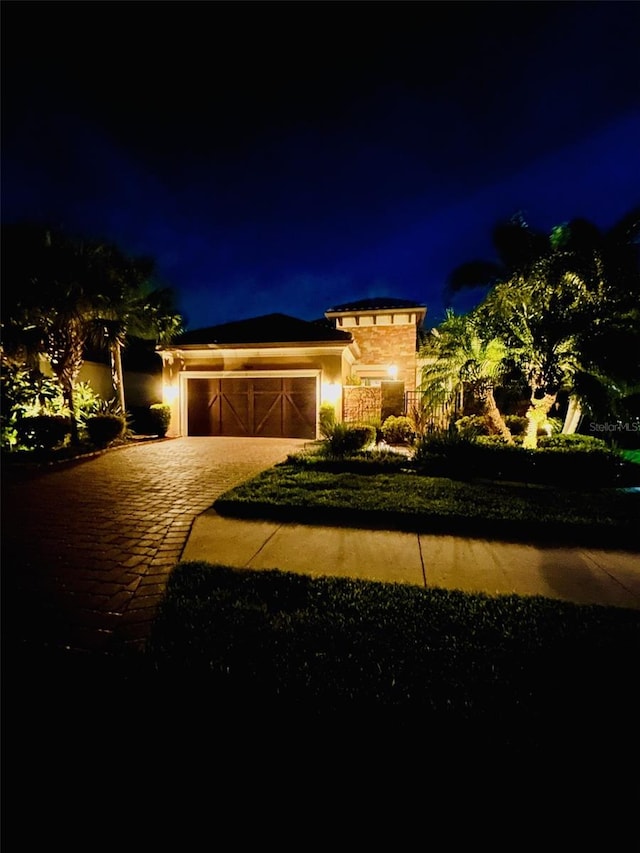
(269, 328)
(376, 303)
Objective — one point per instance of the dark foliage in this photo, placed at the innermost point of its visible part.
(105, 429)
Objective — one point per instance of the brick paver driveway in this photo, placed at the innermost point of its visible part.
(87, 547)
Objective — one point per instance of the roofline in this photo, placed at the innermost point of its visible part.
(254, 345)
(416, 309)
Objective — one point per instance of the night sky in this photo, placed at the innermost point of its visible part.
(289, 157)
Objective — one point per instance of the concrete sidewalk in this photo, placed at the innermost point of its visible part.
(579, 575)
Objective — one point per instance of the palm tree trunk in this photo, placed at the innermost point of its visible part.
(573, 416)
(537, 415)
(67, 394)
(117, 373)
(495, 417)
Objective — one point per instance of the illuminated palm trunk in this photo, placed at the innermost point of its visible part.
(67, 354)
(495, 418)
(536, 415)
(573, 416)
(492, 412)
(117, 374)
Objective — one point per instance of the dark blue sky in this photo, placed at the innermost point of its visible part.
(292, 156)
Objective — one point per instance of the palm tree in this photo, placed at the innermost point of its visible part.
(129, 305)
(63, 292)
(458, 358)
(47, 303)
(544, 316)
(517, 247)
(563, 305)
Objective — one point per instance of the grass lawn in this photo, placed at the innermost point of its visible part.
(530, 673)
(408, 501)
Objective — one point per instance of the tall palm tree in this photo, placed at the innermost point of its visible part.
(564, 306)
(458, 358)
(48, 302)
(517, 246)
(129, 305)
(61, 292)
(544, 316)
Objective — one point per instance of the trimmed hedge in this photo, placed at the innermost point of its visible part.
(398, 430)
(159, 419)
(43, 432)
(346, 439)
(105, 429)
(556, 461)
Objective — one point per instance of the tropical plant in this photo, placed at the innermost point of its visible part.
(60, 293)
(456, 358)
(546, 315)
(517, 247)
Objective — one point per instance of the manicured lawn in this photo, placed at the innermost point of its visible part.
(408, 501)
(509, 673)
(530, 672)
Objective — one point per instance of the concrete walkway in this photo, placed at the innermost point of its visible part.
(578, 575)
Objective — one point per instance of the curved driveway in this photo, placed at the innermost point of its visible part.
(87, 547)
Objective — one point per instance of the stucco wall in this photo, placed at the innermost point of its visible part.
(140, 389)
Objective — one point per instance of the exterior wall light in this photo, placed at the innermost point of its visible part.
(330, 392)
(392, 370)
(169, 393)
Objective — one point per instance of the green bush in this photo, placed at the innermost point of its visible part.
(43, 432)
(517, 424)
(556, 462)
(105, 429)
(327, 419)
(398, 430)
(471, 426)
(363, 462)
(346, 439)
(159, 418)
(570, 441)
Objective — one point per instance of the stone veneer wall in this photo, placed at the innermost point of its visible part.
(389, 345)
(361, 403)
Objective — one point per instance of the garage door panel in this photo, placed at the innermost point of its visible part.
(255, 406)
(235, 414)
(204, 407)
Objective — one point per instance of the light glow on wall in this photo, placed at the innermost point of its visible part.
(330, 392)
(169, 394)
(392, 370)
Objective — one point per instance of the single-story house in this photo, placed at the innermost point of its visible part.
(269, 375)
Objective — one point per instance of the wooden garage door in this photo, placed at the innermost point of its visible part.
(274, 407)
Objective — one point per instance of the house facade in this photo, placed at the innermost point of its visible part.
(268, 376)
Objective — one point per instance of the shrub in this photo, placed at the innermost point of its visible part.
(327, 419)
(43, 431)
(398, 430)
(517, 424)
(568, 441)
(556, 462)
(105, 429)
(346, 439)
(471, 426)
(159, 418)
(364, 462)
(86, 402)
